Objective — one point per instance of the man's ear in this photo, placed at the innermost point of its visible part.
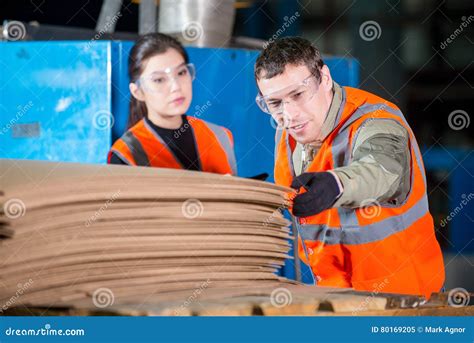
(136, 91)
(326, 78)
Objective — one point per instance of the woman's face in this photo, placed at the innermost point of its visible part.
(165, 84)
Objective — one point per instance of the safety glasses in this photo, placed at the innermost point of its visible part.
(298, 95)
(161, 81)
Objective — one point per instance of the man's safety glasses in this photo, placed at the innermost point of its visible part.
(298, 95)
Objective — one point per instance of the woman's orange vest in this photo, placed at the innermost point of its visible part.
(142, 146)
(378, 248)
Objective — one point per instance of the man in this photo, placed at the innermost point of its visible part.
(362, 207)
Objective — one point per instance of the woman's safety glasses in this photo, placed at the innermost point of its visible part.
(161, 81)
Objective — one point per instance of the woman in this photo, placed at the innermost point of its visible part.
(160, 134)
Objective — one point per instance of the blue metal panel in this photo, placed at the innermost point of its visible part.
(55, 101)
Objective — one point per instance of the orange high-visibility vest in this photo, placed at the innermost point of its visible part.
(379, 248)
(142, 146)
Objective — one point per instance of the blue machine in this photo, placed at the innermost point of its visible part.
(55, 101)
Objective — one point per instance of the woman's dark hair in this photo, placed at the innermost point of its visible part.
(146, 47)
(288, 51)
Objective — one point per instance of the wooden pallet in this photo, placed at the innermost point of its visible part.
(316, 302)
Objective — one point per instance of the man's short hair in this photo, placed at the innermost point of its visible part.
(288, 51)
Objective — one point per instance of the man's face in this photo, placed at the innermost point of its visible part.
(302, 119)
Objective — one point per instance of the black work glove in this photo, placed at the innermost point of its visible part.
(322, 193)
(261, 177)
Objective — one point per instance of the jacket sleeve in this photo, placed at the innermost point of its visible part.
(380, 168)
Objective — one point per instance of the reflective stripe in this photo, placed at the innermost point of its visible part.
(340, 150)
(278, 134)
(196, 148)
(136, 148)
(347, 217)
(297, 227)
(320, 233)
(367, 233)
(158, 137)
(120, 156)
(343, 105)
(364, 109)
(225, 143)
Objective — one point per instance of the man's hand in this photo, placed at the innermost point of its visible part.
(322, 192)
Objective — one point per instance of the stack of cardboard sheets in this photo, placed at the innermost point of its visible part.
(71, 231)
